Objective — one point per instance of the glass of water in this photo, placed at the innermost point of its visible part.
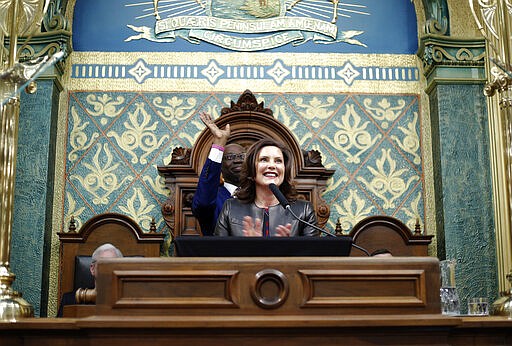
(478, 307)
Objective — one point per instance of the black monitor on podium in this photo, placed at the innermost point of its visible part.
(194, 246)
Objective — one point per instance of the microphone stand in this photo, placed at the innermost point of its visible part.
(286, 205)
(321, 230)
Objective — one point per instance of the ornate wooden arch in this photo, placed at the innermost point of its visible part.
(249, 122)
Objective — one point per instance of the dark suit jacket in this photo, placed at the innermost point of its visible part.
(209, 197)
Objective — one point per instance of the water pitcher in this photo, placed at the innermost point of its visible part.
(450, 304)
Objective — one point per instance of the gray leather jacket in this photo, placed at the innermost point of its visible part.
(230, 219)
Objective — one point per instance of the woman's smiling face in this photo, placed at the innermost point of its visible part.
(270, 166)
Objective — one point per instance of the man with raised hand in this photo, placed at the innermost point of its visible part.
(212, 190)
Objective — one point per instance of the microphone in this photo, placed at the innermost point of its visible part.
(279, 195)
(286, 205)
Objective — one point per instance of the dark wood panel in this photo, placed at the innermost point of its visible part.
(331, 330)
(246, 286)
(343, 288)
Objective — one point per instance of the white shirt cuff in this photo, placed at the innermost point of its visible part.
(216, 155)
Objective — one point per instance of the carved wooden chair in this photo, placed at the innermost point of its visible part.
(120, 230)
(386, 232)
(249, 122)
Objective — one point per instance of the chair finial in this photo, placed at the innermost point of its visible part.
(152, 228)
(72, 225)
(338, 231)
(417, 227)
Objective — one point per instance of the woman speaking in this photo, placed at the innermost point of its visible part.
(255, 210)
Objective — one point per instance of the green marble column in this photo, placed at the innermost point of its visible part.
(33, 199)
(465, 230)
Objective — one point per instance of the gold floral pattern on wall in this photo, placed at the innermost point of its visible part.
(115, 140)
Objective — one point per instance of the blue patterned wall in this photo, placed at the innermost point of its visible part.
(115, 140)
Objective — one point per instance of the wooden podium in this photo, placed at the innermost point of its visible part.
(287, 288)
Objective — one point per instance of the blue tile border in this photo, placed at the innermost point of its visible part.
(214, 72)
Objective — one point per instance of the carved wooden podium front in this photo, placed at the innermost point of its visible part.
(290, 289)
(249, 122)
